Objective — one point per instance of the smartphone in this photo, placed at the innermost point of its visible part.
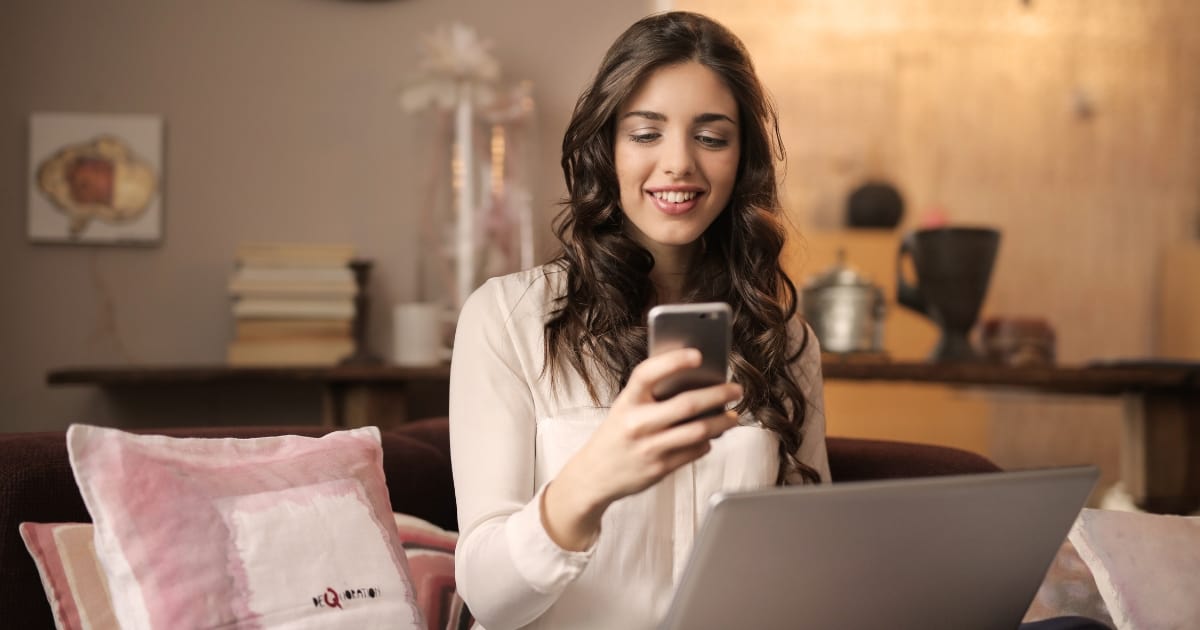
(706, 327)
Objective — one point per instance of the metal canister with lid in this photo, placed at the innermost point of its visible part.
(845, 309)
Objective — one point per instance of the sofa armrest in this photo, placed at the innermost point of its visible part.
(854, 459)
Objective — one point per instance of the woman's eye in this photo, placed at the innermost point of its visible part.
(644, 137)
(712, 142)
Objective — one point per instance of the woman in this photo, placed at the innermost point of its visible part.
(578, 493)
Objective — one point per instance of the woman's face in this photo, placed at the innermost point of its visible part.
(676, 152)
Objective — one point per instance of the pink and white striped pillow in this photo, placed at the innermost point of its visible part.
(79, 597)
(430, 551)
(282, 531)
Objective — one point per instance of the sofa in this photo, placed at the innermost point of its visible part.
(36, 484)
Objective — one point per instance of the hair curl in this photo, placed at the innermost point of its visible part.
(599, 324)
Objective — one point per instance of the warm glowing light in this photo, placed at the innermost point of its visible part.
(497, 160)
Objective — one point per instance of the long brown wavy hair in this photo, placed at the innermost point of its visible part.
(598, 327)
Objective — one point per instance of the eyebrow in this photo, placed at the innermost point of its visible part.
(702, 118)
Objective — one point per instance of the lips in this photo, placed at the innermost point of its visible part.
(675, 201)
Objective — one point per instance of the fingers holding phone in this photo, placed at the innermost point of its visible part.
(672, 406)
(644, 439)
(664, 418)
(661, 373)
(698, 404)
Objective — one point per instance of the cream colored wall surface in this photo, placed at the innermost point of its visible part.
(281, 124)
(1072, 125)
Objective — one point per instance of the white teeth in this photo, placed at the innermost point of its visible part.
(674, 196)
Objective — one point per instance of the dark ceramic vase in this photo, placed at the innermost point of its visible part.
(953, 267)
(361, 355)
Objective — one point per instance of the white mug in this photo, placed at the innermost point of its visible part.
(417, 334)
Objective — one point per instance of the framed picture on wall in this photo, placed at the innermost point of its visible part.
(95, 179)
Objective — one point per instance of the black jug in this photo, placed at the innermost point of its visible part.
(953, 267)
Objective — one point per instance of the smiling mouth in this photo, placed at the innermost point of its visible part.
(675, 196)
(675, 202)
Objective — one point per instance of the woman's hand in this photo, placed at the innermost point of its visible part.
(640, 442)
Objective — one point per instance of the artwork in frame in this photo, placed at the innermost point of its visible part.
(95, 178)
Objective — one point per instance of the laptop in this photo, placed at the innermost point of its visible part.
(964, 551)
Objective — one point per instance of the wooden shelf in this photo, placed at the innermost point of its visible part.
(1160, 449)
(200, 374)
(1108, 379)
(1111, 379)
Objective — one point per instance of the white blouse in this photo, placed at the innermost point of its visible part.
(510, 433)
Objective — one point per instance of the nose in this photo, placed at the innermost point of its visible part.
(677, 159)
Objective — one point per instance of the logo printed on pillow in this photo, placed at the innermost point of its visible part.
(331, 599)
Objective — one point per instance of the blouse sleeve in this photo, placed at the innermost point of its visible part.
(507, 569)
(812, 447)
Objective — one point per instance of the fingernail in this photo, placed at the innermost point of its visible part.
(694, 355)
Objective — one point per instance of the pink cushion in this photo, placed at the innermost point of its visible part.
(71, 575)
(430, 551)
(1147, 566)
(78, 592)
(281, 531)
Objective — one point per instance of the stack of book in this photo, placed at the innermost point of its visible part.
(293, 304)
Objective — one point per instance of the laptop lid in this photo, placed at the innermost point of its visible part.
(966, 551)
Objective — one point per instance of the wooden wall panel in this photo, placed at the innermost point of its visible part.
(1072, 125)
(1179, 303)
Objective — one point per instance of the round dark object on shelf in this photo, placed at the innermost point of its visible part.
(874, 205)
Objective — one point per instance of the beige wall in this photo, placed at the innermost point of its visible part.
(281, 124)
(1073, 125)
